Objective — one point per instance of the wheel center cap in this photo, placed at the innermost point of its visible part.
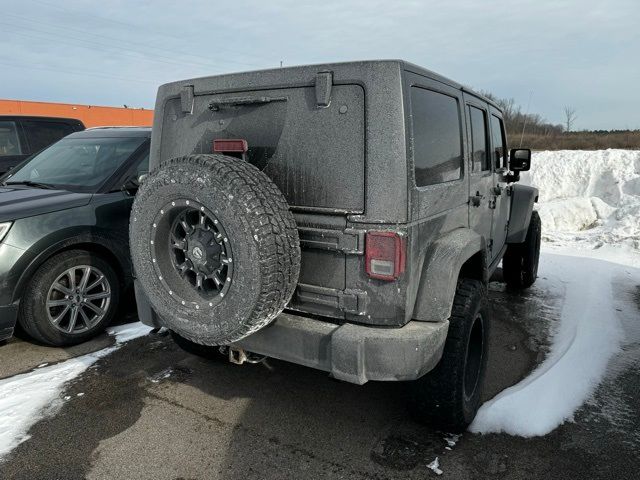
(197, 253)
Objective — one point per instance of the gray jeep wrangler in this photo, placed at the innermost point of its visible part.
(346, 217)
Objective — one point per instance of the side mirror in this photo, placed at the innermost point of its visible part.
(520, 159)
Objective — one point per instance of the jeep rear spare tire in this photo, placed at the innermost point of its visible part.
(214, 246)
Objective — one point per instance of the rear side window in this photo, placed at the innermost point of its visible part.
(437, 149)
(9, 141)
(499, 142)
(43, 134)
(479, 139)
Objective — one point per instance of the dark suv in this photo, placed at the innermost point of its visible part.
(371, 201)
(64, 215)
(21, 136)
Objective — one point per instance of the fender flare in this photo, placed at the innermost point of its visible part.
(77, 240)
(440, 271)
(522, 199)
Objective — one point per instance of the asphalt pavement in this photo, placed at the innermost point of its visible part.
(152, 411)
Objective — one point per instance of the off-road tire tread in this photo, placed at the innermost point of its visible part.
(270, 219)
(438, 397)
(520, 261)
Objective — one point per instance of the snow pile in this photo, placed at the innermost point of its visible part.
(26, 398)
(588, 197)
(589, 335)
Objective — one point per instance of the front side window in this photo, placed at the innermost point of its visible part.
(77, 164)
(437, 149)
(479, 131)
(499, 142)
(9, 141)
(42, 134)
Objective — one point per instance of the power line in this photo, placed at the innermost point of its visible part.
(75, 72)
(127, 46)
(87, 45)
(137, 27)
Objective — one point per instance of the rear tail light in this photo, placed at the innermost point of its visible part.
(230, 145)
(385, 255)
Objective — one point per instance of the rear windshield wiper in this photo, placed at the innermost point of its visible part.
(236, 101)
(29, 183)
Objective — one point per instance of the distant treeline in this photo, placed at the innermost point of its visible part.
(542, 135)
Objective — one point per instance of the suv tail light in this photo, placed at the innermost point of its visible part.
(385, 255)
(230, 145)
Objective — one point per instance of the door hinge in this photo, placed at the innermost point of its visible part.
(186, 99)
(490, 245)
(324, 81)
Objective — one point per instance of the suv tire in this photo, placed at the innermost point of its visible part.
(449, 396)
(520, 261)
(44, 302)
(214, 246)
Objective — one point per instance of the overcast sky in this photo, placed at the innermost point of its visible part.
(581, 53)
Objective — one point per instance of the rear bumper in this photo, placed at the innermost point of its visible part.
(8, 317)
(353, 353)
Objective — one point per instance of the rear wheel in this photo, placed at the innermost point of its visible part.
(449, 396)
(520, 262)
(70, 298)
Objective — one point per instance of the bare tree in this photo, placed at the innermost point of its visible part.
(569, 117)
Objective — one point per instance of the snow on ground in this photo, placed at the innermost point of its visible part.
(27, 398)
(589, 335)
(590, 208)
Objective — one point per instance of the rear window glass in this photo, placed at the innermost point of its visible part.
(9, 141)
(316, 156)
(43, 134)
(499, 142)
(479, 139)
(437, 146)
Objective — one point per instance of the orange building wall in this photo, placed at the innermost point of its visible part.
(90, 115)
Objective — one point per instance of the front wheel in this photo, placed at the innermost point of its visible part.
(449, 396)
(520, 262)
(70, 298)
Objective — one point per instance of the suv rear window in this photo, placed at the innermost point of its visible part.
(437, 143)
(499, 142)
(9, 141)
(316, 156)
(43, 134)
(479, 139)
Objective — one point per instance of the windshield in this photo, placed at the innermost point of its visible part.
(77, 164)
